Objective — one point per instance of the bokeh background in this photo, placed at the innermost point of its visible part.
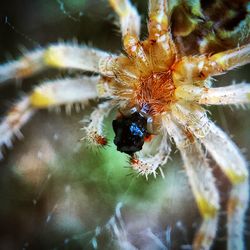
(55, 191)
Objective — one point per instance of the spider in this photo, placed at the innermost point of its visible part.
(159, 90)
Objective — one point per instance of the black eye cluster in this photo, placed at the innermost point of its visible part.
(130, 132)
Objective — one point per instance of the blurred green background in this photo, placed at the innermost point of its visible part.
(56, 192)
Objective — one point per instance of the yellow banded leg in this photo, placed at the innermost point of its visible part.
(231, 162)
(71, 56)
(229, 59)
(130, 28)
(129, 18)
(64, 91)
(229, 95)
(202, 184)
(194, 69)
(236, 209)
(49, 94)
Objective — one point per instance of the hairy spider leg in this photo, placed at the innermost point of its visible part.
(231, 162)
(158, 23)
(17, 116)
(49, 94)
(94, 130)
(130, 20)
(159, 42)
(130, 23)
(148, 163)
(196, 69)
(202, 183)
(229, 95)
(70, 56)
(130, 28)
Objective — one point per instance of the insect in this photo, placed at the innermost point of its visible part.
(130, 132)
(160, 86)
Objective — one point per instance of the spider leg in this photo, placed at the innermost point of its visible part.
(150, 159)
(70, 56)
(228, 60)
(49, 94)
(130, 27)
(158, 20)
(191, 115)
(130, 24)
(94, 129)
(160, 43)
(10, 126)
(64, 91)
(195, 69)
(231, 162)
(234, 94)
(202, 183)
(130, 20)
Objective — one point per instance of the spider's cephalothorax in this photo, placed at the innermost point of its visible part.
(155, 91)
(166, 77)
(146, 78)
(130, 132)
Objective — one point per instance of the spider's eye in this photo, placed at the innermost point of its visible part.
(130, 132)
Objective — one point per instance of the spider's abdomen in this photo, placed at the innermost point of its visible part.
(130, 132)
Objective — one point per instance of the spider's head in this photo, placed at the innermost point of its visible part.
(130, 132)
